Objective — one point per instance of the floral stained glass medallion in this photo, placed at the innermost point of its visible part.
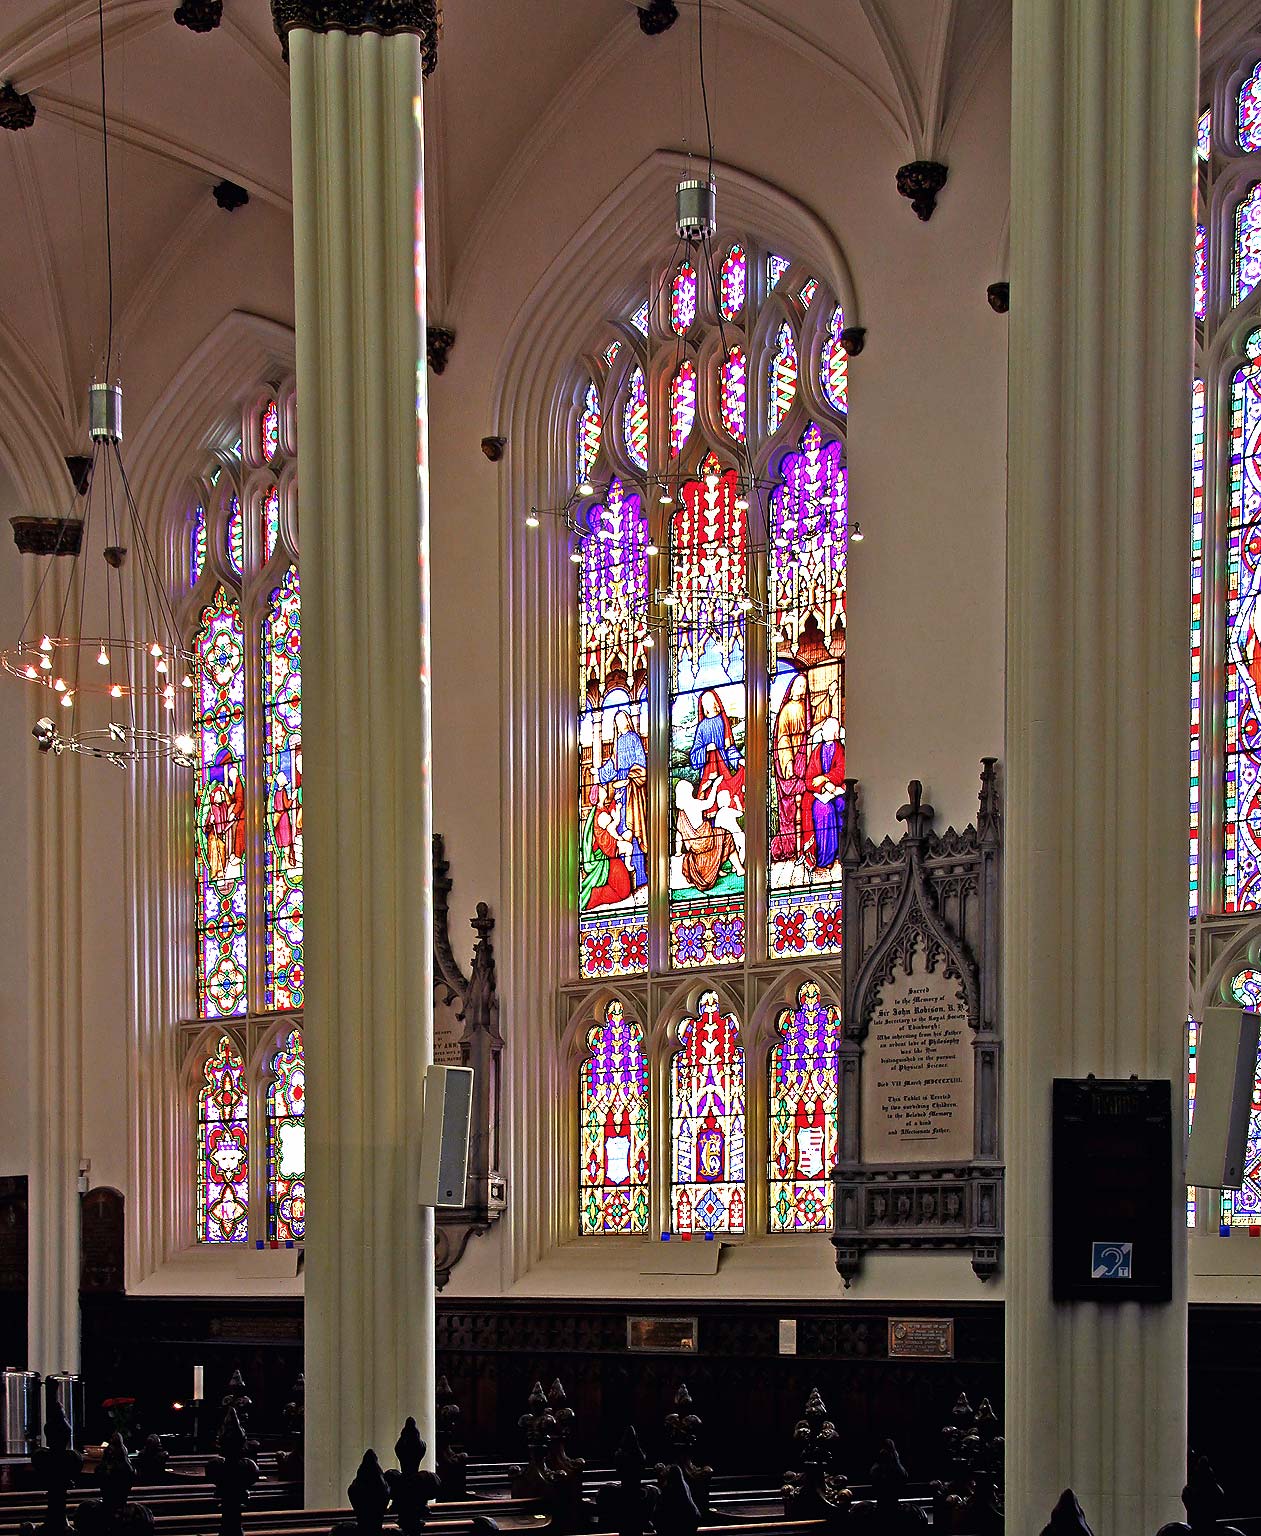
(733, 283)
(286, 1143)
(282, 769)
(707, 1131)
(683, 299)
(613, 712)
(223, 1149)
(220, 807)
(803, 1114)
(613, 1128)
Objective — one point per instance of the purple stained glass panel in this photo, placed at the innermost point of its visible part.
(286, 1143)
(1242, 871)
(682, 406)
(613, 1128)
(635, 420)
(283, 980)
(197, 546)
(683, 299)
(803, 1114)
(1248, 120)
(223, 1149)
(1246, 266)
(733, 389)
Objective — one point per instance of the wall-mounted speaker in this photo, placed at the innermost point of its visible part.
(1225, 1070)
(444, 1135)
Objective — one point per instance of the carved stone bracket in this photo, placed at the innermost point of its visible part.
(79, 466)
(229, 196)
(657, 16)
(933, 899)
(16, 110)
(920, 182)
(481, 1046)
(47, 535)
(999, 296)
(853, 339)
(438, 344)
(199, 15)
(423, 17)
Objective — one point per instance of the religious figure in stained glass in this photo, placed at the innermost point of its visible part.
(613, 1128)
(806, 613)
(803, 1114)
(707, 1123)
(271, 430)
(286, 1143)
(223, 1149)
(282, 769)
(709, 587)
(614, 841)
(220, 825)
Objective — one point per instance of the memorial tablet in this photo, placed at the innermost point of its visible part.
(918, 1070)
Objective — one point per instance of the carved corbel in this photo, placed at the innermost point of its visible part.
(920, 182)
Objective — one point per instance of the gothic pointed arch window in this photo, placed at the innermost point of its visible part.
(613, 1113)
(223, 1148)
(803, 1113)
(239, 562)
(705, 489)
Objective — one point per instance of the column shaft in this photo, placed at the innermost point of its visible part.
(1104, 100)
(360, 285)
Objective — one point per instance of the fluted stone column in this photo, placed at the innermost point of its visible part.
(359, 276)
(55, 971)
(1103, 132)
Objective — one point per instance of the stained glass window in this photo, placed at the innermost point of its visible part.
(803, 1114)
(610, 352)
(834, 364)
(236, 537)
(733, 283)
(1197, 625)
(613, 1128)
(806, 614)
(197, 546)
(683, 299)
(271, 431)
(271, 521)
(1242, 1207)
(776, 266)
(708, 603)
(1248, 121)
(588, 441)
(808, 290)
(1200, 279)
(1243, 647)
(734, 395)
(282, 782)
(1245, 988)
(1204, 134)
(682, 406)
(223, 1149)
(707, 1123)
(635, 420)
(1192, 1033)
(286, 1143)
(640, 319)
(220, 824)
(781, 374)
(614, 838)
(1246, 268)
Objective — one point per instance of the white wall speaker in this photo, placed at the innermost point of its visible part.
(444, 1134)
(1225, 1069)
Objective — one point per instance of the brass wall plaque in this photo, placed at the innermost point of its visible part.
(922, 1338)
(662, 1335)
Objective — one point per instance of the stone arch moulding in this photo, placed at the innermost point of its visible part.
(931, 898)
(529, 400)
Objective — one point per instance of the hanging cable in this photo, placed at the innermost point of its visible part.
(109, 243)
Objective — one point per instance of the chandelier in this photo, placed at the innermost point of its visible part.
(124, 693)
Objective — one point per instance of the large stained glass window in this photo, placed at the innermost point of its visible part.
(1248, 119)
(613, 1128)
(806, 717)
(1246, 267)
(1197, 625)
(614, 837)
(223, 1148)
(803, 1114)
(282, 785)
(1200, 277)
(1243, 650)
(709, 602)
(707, 1189)
(286, 1143)
(220, 809)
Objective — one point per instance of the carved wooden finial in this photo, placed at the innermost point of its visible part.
(989, 821)
(677, 1513)
(916, 813)
(452, 1458)
(1067, 1518)
(411, 1489)
(369, 1496)
(233, 1473)
(628, 1505)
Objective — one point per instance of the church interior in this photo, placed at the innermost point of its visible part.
(667, 591)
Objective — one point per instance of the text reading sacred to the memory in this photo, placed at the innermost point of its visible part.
(918, 1072)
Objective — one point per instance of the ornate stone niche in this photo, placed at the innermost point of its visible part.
(919, 1158)
(480, 1046)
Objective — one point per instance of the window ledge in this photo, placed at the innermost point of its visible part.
(224, 1269)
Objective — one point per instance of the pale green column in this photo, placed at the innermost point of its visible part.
(1095, 975)
(360, 307)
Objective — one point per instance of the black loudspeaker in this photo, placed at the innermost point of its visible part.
(444, 1135)
(1225, 1071)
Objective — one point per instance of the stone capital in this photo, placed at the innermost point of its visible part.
(388, 17)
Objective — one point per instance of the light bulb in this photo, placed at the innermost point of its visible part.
(67, 699)
(186, 681)
(670, 600)
(168, 703)
(46, 644)
(742, 503)
(31, 672)
(585, 488)
(155, 649)
(102, 656)
(60, 684)
(160, 664)
(649, 642)
(652, 549)
(745, 604)
(665, 498)
(168, 693)
(576, 556)
(531, 519)
(184, 744)
(856, 533)
(116, 692)
(711, 481)
(46, 663)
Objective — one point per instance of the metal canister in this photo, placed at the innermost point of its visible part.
(67, 1388)
(19, 1411)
